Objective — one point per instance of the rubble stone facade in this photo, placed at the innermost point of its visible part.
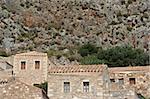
(76, 81)
(31, 67)
(136, 78)
(83, 82)
(82, 85)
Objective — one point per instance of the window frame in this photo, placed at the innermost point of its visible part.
(35, 65)
(66, 87)
(21, 65)
(86, 86)
(132, 81)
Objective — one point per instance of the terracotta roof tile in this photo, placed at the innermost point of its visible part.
(32, 53)
(76, 68)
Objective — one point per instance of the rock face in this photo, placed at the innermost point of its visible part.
(57, 24)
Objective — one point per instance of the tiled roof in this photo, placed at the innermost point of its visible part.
(133, 68)
(76, 68)
(32, 53)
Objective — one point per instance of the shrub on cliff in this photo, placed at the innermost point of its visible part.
(123, 56)
(115, 56)
(87, 49)
(91, 59)
(3, 53)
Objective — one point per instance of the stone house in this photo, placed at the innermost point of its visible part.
(78, 82)
(19, 72)
(30, 67)
(136, 78)
(84, 82)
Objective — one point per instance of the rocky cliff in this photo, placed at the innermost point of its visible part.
(66, 24)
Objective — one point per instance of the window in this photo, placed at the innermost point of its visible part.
(132, 81)
(85, 86)
(37, 64)
(121, 81)
(112, 80)
(23, 65)
(66, 87)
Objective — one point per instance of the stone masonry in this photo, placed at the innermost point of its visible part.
(74, 81)
(30, 74)
(83, 82)
(95, 75)
(137, 78)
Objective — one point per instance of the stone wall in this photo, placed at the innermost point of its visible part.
(30, 75)
(98, 83)
(122, 94)
(55, 86)
(104, 82)
(135, 78)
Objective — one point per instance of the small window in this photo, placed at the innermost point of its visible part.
(85, 86)
(112, 80)
(66, 87)
(121, 81)
(37, 64)
(132, 81)
(23, 65)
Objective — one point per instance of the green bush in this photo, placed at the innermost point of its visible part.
(87, 49)
(129, 28)
(115, 56)
(92, 59)
(3, 54)
(123, 56)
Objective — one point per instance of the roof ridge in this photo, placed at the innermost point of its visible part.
(75, 69)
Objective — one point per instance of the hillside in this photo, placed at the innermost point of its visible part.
(64, 25)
